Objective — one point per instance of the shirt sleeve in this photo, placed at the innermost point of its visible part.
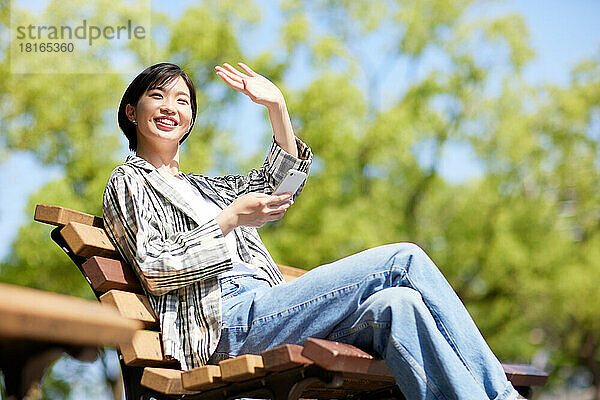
(163, 261)
(271, 173)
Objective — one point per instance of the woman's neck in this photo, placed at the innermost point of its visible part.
(165, 160)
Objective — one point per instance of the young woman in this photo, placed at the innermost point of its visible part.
(218, 293)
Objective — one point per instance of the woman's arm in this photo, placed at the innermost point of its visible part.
(282, 127)
(286, 151)
(251, 203)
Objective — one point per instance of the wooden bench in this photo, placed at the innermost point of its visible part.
(319, 369)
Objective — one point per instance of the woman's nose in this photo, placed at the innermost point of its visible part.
(167, 108)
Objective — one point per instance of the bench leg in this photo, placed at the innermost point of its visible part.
(524, 391)
(296, 390)
(24, 364)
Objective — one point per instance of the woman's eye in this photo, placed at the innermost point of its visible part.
(183, 101)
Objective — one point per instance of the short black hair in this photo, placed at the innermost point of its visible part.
(150, 78)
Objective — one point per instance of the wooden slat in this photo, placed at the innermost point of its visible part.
(35, 314)
(145, 349)
(525, 375)
(290, 273)
(285, 356)
(105, 274)
(202, 378)
(60, 216)
(342, 357)
(131, 305)
(166, 381)
(242, 368)
(87, 241)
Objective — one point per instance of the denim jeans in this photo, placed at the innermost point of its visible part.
(391, 301)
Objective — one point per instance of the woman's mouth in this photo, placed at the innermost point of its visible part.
(165, 123)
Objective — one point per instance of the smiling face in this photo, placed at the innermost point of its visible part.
(163, 114)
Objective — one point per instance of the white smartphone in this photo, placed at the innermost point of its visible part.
(291, 182)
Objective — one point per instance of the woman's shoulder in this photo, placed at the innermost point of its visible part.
(120, 173)
(126, 174)
(133, 166)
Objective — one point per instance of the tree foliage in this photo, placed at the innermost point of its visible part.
(395, 86)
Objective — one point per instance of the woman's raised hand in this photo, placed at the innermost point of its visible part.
(253, 209)
(257, 87)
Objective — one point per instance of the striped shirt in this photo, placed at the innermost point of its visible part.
(178, 255)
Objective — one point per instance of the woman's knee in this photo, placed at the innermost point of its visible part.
(397, 299)
(407, 250)
(403, 307)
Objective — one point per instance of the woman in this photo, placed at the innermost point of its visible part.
(216, 290)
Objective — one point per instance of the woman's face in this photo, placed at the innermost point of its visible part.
(164, 114)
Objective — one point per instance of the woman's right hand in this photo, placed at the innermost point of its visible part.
(253, 209)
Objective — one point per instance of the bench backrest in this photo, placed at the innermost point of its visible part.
(113, 281)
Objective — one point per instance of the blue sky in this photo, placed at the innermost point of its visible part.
(562, 34)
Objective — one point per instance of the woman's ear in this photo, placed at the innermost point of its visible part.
(130, 112)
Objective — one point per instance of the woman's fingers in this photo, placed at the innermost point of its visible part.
(278, 199)
(275, 217)
(230, 68)
(230, 81)
(229, 74)
(247, 69)
(278, 209)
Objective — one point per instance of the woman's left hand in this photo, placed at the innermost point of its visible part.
(257, 87)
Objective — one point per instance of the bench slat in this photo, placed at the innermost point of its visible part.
(342, 357)
(525, 375)
(35, 314)
(131, 305)
(106, 273)
(60, 216)
(145, 349)
(285, 356)
(86, 241)
(166, 381)
(242, 368)
(202, 378)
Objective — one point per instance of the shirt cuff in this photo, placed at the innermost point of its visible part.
(280, 161)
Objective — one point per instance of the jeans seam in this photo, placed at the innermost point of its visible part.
(228, 295)
(421, 373)
(446, 334)
(358, 328)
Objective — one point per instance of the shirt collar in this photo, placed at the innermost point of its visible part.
(139, 162)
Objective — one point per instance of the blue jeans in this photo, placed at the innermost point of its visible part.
(390, 300)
